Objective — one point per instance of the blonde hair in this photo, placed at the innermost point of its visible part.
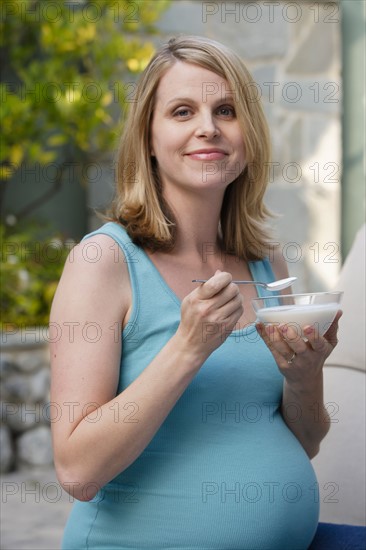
(139, 205)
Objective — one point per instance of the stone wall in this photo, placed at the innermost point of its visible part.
(25, 435)
(293, 52)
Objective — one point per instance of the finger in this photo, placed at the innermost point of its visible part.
(283, 342)
(316, 342)
(234, 318)
(273, 340)
(292, 335)
(230, 307)
(331, 334)
(283, 348)
(325, 343)
(214, 285)
(224, 297)
(227, 295)
(229, 322)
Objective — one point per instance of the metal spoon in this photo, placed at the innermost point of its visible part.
(272, 287)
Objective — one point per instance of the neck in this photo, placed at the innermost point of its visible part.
(197, 220)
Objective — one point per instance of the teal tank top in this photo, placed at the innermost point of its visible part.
(223, 472)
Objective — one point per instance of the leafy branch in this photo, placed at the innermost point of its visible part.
(67, 72)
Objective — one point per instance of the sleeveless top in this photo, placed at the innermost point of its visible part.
(223, 471)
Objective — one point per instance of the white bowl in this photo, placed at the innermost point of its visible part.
(299, 310)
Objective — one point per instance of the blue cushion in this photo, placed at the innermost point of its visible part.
(331, 536)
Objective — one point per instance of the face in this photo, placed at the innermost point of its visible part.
(195, 135)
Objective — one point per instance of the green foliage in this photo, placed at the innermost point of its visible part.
(66, 67)
(32, 260)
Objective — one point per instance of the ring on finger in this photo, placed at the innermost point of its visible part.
(291, 358)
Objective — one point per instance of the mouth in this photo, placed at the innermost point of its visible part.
(207, 154)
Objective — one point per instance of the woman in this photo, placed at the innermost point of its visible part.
(181, 432)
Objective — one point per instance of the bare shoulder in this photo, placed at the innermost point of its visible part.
(99, 253)
(95, 276)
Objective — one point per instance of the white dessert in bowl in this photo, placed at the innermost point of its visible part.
(299, 310)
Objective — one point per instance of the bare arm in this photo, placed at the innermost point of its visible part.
(97, 433)
(303, 403)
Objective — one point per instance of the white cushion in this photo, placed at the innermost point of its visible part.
(350, 351)
(341, 463)
(340, 466)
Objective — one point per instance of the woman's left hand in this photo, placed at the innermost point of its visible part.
(299, 360)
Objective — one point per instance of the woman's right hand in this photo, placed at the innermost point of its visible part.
(209, 314)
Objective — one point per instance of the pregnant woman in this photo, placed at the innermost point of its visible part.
(184, 425)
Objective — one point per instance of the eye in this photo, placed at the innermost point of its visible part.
(182, 112)
(226, 111)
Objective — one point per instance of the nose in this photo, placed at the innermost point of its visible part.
(207, 126)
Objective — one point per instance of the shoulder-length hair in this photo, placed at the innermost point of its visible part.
(139, 205)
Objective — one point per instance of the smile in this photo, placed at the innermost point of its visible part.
(209, 154)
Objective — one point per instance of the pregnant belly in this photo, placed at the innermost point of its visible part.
(226, 493)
